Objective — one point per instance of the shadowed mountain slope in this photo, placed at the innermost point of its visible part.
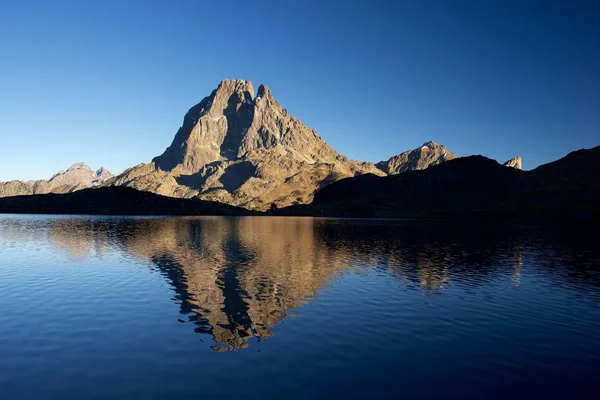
(474, 186)
(114, 201)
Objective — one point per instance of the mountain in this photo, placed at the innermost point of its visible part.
(469, 186)
(423, 157)
(113, 201)
(241, 149)
(515, 162)
(244, 149)
(77, 176)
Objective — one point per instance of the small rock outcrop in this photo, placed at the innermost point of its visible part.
(77, 176)
(427, 155)
(515, 162)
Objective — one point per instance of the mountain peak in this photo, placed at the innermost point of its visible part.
(242, 148)
(230, 92)
(263, 91)
(429, 154)
(243, 86)
(103, 173)
(515, 162)
(236, 81)
(80, 174)
(231, 123)
(78, 165)
(230, 86)
(212, 130)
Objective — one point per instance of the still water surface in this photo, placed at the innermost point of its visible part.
(259, 307)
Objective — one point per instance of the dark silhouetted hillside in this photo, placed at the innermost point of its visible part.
(469, 186)
(114, 201)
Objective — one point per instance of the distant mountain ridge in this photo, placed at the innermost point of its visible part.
(473, 187)
(78, 176)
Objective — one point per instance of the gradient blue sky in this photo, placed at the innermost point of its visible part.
(108, 82)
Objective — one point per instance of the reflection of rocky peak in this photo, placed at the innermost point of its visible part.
(77, 176)
(239, 284)
(236, 278)
(429, 154)
(78, 238)
(238, 148)
(515, 162)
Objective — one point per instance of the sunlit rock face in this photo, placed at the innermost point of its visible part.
(245, 149)
(515, 162)
(429, 154)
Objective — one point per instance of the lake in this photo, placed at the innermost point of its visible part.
(266, 307)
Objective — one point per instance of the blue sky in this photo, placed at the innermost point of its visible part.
(108, 82)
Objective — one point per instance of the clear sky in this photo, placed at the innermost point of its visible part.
(108, 82)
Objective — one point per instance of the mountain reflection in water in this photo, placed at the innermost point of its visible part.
(236, 278)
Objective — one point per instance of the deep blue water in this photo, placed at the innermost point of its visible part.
(260, 307)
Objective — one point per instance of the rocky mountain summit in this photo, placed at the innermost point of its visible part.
(243, 149)
(423, 157)
(77, 176)
(247, 150)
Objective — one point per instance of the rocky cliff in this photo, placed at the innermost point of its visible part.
(77, 176)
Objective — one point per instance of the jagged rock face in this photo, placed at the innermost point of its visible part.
(77, 176)
(245, 150)
(515, 162)
(423, 157)
(212, 130)
(231, 124)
